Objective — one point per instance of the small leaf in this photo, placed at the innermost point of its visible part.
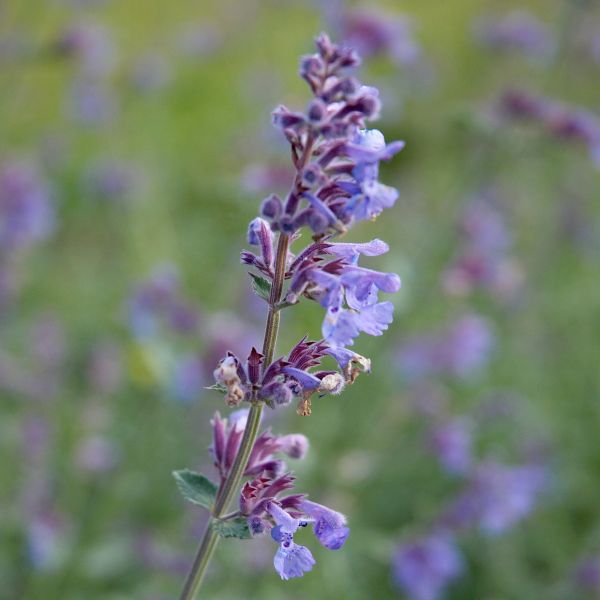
(237, 528)
(217, 387)
(196, 488)
(261, 286)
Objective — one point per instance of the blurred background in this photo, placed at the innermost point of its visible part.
(135, 145)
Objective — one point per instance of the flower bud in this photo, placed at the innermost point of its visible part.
(325, 47)
(333, 383)
(286, 119)
(312, 175)
(271, 207)
(255, 359)
(311, 66)
(317, 111)
(295, 445)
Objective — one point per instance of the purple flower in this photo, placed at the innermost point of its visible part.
(559, 120)
(329, 526)
(227, 436)
(482, 260)
(587, 575)
(352, 251)
(451, 442)
(287, 376)
(371, 32)
(261, 501)
(91, 45)
(517, 30)
(506, 494)
(341, 281)
(335, 183)
(295, 445)
(291, 560)
(459, 350)
(260, 234)
(424, 568)
(26, 210)
(467, 345)
(369, 197)
(341, 326)
(498, 496)
(339, 186)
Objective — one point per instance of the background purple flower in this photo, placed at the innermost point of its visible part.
(518, 31)
(26, 208)
(459, 350)
(424, 568)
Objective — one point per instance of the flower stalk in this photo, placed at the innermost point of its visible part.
(336, 184)
(231, 485)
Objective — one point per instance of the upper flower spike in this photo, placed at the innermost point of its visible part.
(336, 157)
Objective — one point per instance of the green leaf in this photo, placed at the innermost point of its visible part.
(261, 286)
(217, 387)
(237, 528)
(196, 488)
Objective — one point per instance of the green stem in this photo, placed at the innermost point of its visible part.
(231, 485)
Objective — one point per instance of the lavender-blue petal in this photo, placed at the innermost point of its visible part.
(293, 561)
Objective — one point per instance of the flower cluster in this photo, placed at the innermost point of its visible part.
(288, 377)
(335, 158)
(493, 497)
(336, 163)
(261, 500)
(336, 183)
(559, 120)
(328, 273)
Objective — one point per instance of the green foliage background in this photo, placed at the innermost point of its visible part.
(193, 140)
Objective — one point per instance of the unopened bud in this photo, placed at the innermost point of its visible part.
(333, 383)
(295, 445)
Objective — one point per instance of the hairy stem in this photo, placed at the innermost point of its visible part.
(231, 484)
